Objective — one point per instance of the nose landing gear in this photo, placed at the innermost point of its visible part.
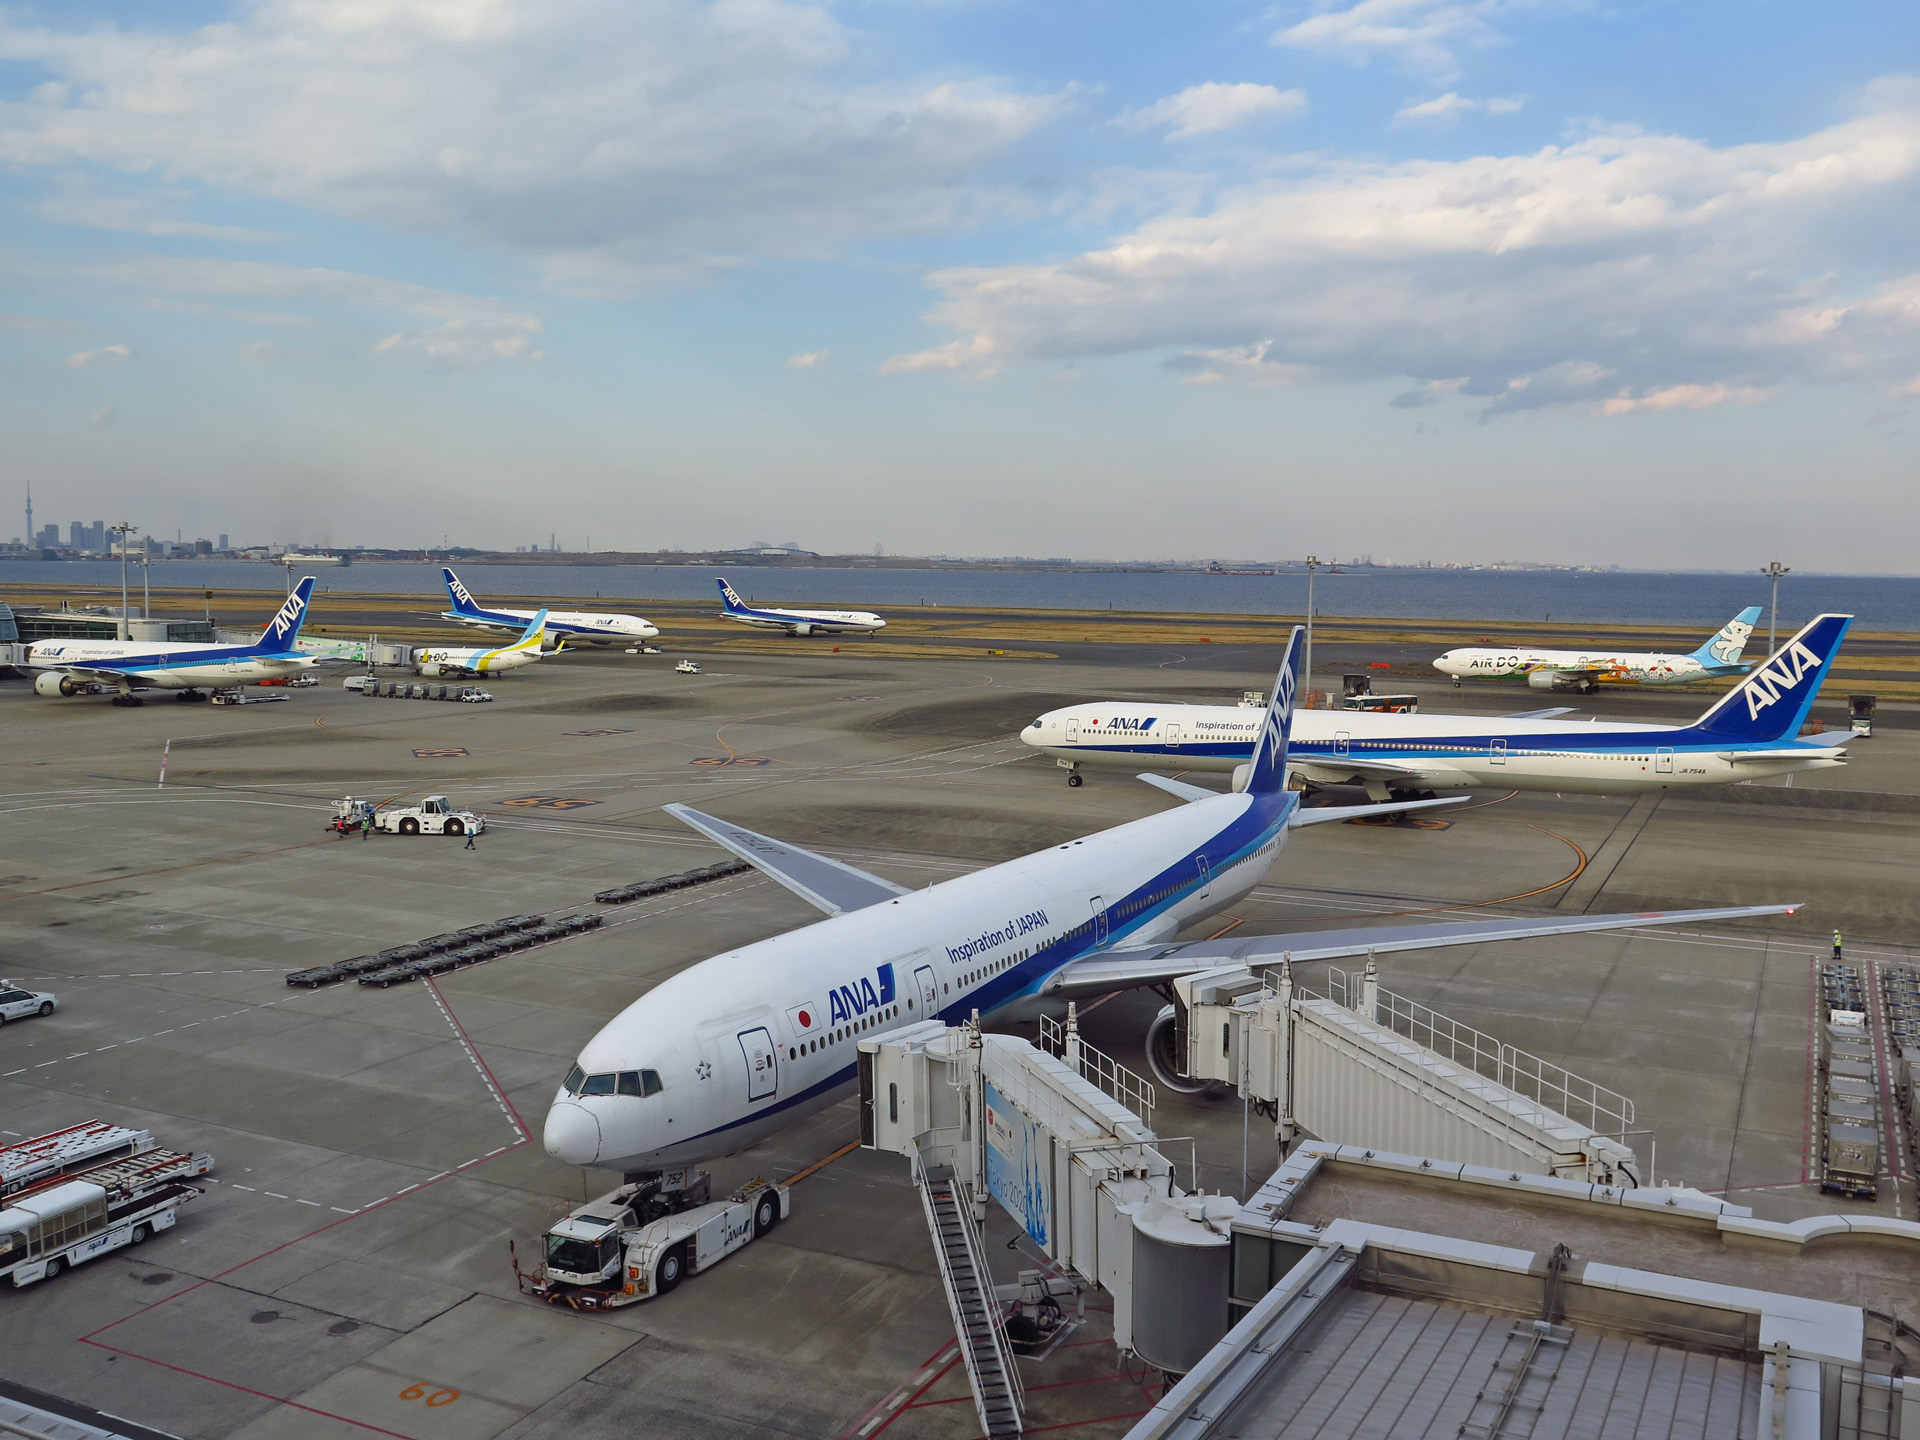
(1074, 780)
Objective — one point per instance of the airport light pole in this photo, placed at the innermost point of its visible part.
(146, 587)
(1306, 657)
(1774, 570)
(123, 529)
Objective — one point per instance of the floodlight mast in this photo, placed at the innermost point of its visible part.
(1774, 569)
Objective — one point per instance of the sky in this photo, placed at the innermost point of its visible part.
(1423, 279)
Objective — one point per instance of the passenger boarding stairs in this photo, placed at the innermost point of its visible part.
(991, 1368)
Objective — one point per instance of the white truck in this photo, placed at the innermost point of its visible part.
(643, 1239)
(68, 1196)
(434, 815)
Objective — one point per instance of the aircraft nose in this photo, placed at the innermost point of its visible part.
(572, 1135)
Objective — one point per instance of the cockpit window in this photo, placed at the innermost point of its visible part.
(640, 1082)
(598, 1085)
(576, 1077)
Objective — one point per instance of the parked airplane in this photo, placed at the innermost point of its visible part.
(68, 667)
(1586, 670)
(796, 622)
(524, 651)
(730, 1050)
(567, 627)
(1748, 734)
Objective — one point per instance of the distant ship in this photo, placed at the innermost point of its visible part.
(314, 560)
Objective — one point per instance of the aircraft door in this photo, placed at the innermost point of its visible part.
(1073, 732)
(763, 1072)
(1663, 761)
(1099, 919)
(1340, 741)
(1173, 736)
(929, 992)
(1496, 752)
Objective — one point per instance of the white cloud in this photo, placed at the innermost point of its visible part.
(975, 355)
(138, 216)
(1423, 35)
(1446, 109)
(1621, 264)
(1252, 363)
(809, 360)
(1205, 109)
(102, 416)
(467, 344)
(609, 141)
(1684, 397)
(105, 355)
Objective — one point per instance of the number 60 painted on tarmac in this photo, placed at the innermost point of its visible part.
(418, 1390)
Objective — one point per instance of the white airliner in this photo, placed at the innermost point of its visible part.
(1748, 734)
(737, 1046)
(67, 667)
(1587, 670)
(524, 651)
(567, 627)
(796, 622)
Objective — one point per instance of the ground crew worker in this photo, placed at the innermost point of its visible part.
(470, 844)
(366, 826)
(1836, 944)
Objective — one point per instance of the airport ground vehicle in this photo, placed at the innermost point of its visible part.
(68, 1196)
(642, 1240)
(686, 667)
(18, 1004)
(434, 815)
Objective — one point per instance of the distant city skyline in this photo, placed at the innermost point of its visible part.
(1409, 277)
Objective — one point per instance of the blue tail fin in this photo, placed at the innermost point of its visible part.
(533, 631)
(463, 601)
(284, 628)
(1772, 702)
(728, 598)
(1267, 771)
(1723, 651)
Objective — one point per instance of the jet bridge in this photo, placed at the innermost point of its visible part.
(1362, 1066)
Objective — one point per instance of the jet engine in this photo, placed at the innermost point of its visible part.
(1167, 1054)
(51, 682)
(436, 670)
(1561, 682)
(803, 629)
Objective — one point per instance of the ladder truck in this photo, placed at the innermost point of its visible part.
(70, 1195)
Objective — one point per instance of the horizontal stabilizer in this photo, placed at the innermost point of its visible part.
(1188, 793)
(825, 884)
(1328, 814)
(1547, 714)
(1125, 968)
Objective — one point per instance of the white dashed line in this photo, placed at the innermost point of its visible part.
(314, 1203)
(243, 1187)
(272, 1196)
(402, 1192)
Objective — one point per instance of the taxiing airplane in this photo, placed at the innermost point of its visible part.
(565, 627)
(1587, 670)
(1748, 734)
(69, 667)
(524, 651)
(735, 1047)
(796, 622)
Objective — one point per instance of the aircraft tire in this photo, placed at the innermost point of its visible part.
(1075, 781)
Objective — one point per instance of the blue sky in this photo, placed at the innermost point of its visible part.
(1426, 279)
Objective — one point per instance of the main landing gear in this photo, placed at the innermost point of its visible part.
(188, 697)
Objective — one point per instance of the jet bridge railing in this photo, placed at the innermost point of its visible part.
(1063, 1041)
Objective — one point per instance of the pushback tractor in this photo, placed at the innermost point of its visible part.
(68, 1196)
(643, 1239)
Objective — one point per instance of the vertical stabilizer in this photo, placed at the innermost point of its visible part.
(729, 598)
(1267, 770)
(284, 628)
(463, 601)
(531, 637)
(1772, 702)
(1723, 651)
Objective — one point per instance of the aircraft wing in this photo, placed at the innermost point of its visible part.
(1573, 669)
(825, 884)
(1316, 767)
(1129, 966)
(1546, 714)
(106, 674)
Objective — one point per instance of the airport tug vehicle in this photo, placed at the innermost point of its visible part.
(644, 1238)
(70, 1195)
(434, 815)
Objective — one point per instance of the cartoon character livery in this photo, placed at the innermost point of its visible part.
(564, 627)
(1395, 755)
(733, 1048)
(1586, 670)
(796, 622)
(74, 667)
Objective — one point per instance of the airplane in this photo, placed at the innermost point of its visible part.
(1587, 670)
(524, 651)
(567, 627)
(795, 622)
(1748, 734)
(70, 667)
(738, 1046)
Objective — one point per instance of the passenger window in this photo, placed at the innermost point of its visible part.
(598, 1085)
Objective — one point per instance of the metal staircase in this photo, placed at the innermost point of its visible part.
(991, 1369)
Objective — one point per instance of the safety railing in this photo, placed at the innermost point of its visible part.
(1102, 1071)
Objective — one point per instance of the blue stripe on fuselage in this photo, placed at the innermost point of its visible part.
(180, 660)
(1601, 746)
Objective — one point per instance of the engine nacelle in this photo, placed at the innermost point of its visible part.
(51, 682)
(803, 629)
(433, 671)
(1167, 1054)
(1560, 682)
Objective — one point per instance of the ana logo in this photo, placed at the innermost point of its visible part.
(847, 1001)
(459, 590)
(289, 613)
(1118, 723)
(1728, 644)
(1768, 684)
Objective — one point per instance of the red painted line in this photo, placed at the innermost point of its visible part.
(1076, 1424)
(492, 1079)
(1120, 1375)
(898, 1397)
(88, 1339)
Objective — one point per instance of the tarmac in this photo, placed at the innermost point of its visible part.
(347, 1271)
